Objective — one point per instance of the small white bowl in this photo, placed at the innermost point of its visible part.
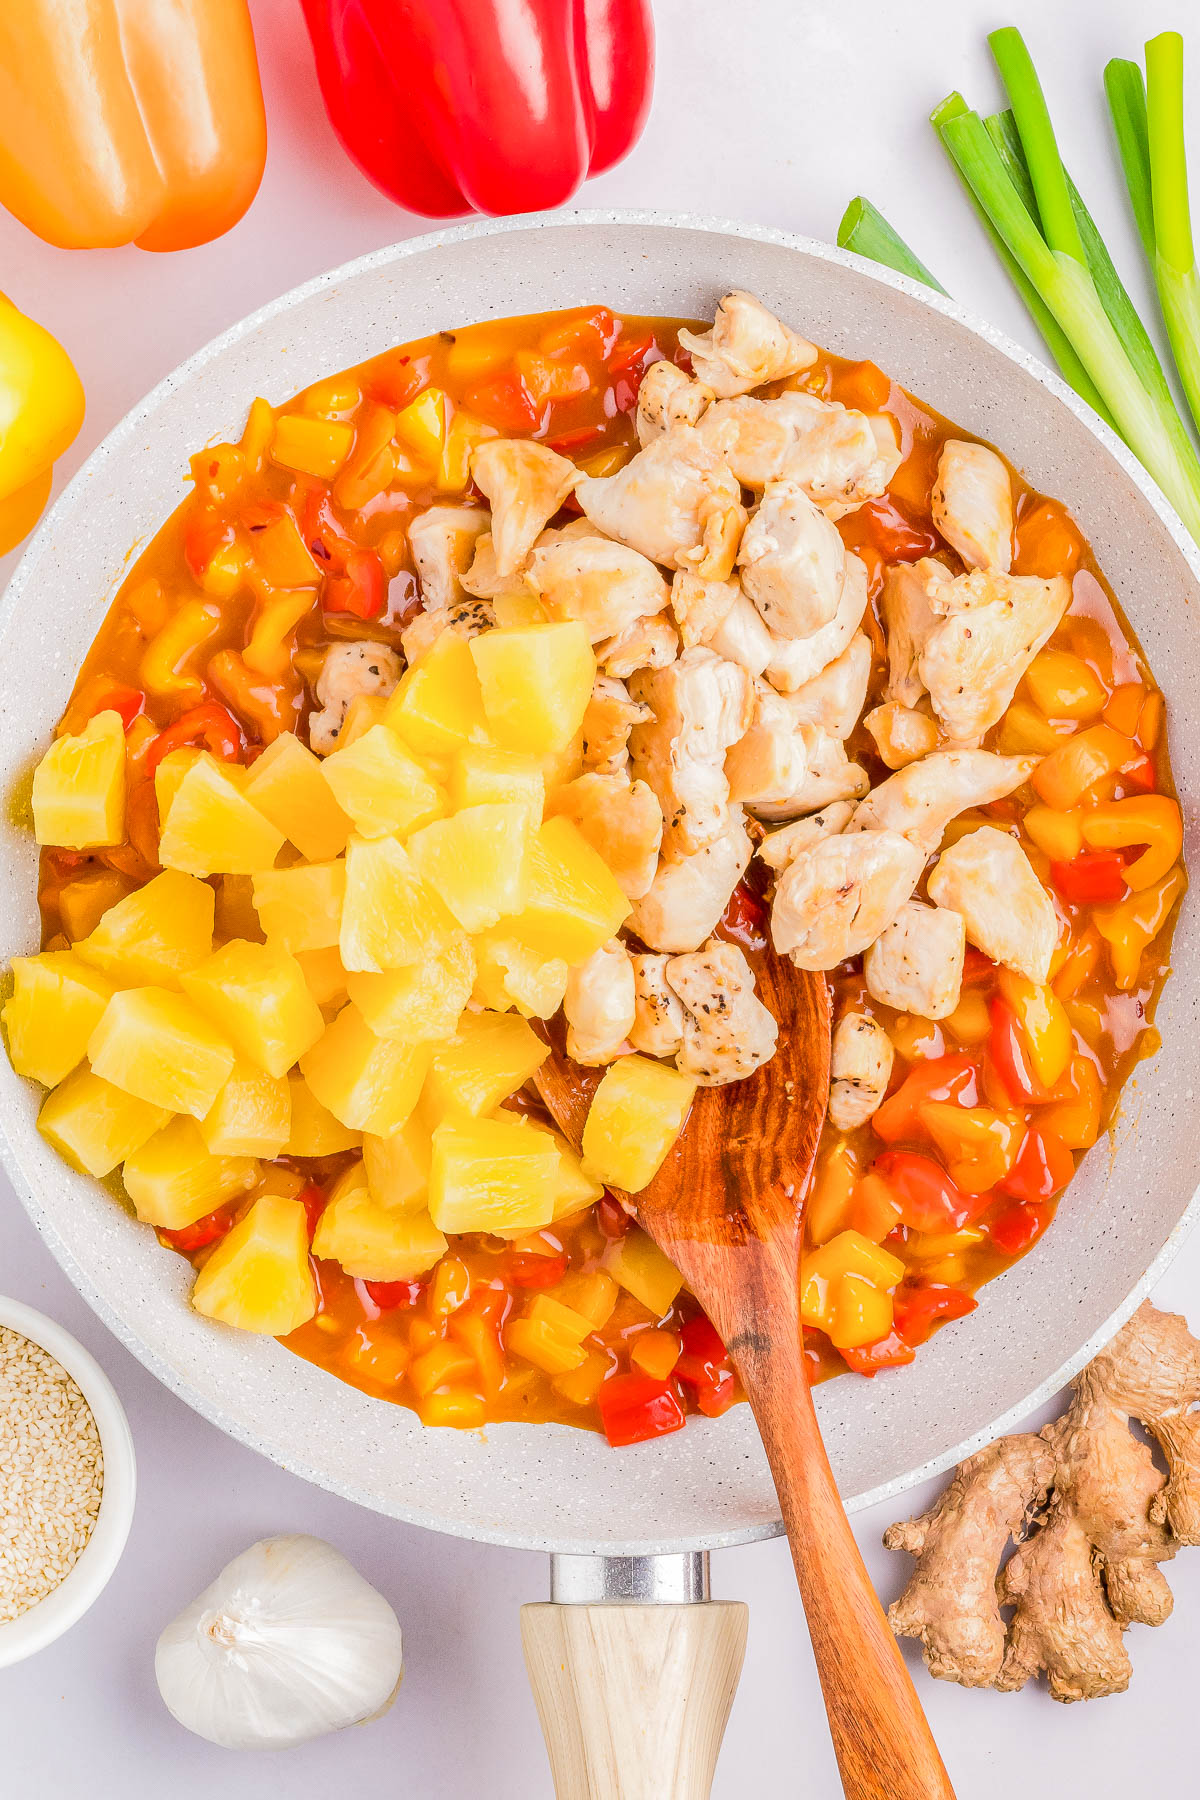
(69, 1601)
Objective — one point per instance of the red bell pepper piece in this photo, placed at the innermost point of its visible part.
(1141, 774)
(704, 1367)
(360, 589)
(526, 1269)
(314, 1200)
(937, 1078)
(211, 724)
(456, 106)
(117, 697)
(928, 1198)
(1043, 1167)
(919, 1309)
(1009, 1056)
(200, 1232)
(890, 1352)
(387, 1295)
(1093, 878)
(635, 1407)
(1017, 1227)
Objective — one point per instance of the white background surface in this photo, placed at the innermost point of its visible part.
(776, 112)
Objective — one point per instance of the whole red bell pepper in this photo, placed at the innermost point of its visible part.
(456, 106)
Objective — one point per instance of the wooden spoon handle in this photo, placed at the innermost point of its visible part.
(634, 1699)
(881, 1737)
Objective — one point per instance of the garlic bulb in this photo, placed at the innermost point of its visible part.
(288, 1642)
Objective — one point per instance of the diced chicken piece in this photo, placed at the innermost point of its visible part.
(466, 617)
(600, 1005)
(988, 878)
(727, 1031)
(742, 638)
(621, 820)
(839, 456)
(916, 965)
(646, 644)
(668, 397)
(908, 619)
(701, 706)
(902, 734)
(686, 898)
(483, 578)
(781, 847)
(972, 505)
(675, 501)
(700, 607)
(526, 483)
(834, 699)
(833, 900)
(779, 768)
(920, 801)
(860, 1067)
(442, 540)
(793, 562)
(658, 1019)
(746, 346)
(606, 586)
(349, 670)
(992, 627)
(611, 714)
(795, 661)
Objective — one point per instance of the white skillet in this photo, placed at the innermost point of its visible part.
(552, 1487)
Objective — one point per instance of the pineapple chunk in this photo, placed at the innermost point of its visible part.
(94, 1125)
(211, 828)
(374, 1241)
(257, 995)
(174, 1178)
(644, 1271)
(492, 1175)
(398, 1167)
(475, 862)
(288, 786)
(315, 1131)
(363, 712)
(171, 771)
(437, 707)
(155, 933)
(574, 1188)
(325, 976)
(636, 1115)
(79, 787)
(390, 918)
(369, 1083)
(510, 973)
(490, 1056)
(517, 607)
(536, 681)
(258, 1277)
(419, 1004)
(251, 1116)
(482, 776)
(55, 1006)
(301, 908)
(381, 785)
(572, 902)
(160, 1046)
(82, 903)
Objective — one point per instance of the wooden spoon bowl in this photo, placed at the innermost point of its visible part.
(727, 1207)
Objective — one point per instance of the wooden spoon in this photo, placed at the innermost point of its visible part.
(726, 1208)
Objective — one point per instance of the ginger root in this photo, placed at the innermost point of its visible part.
(1091, 1514)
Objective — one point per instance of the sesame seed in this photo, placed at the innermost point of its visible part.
(51, 1474)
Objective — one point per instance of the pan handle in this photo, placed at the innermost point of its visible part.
(633, 1670)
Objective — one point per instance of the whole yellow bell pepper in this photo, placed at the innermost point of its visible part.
(41, 409)
(129, 121)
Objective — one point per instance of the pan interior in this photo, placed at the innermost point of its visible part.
(550, 1486)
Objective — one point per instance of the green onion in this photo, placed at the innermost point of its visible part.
(1174, 257)
(1048, 248)
(865, 231)
(1127, 104)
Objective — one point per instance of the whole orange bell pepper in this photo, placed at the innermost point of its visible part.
(129, 121)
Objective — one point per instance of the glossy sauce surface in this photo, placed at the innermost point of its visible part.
(174, 643)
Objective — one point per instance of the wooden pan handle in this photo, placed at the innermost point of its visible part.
(634, 1699)
(884, 1747)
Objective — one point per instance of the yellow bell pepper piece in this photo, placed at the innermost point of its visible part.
(1044, 1024)
(1063, 687)
(846, 1289)
(1064, 776)
(1130, 927)
(979, 1145)
(1058, 834)
(41, 410)
(1150, 819)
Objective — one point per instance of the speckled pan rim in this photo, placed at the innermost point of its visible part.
(951, 310)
